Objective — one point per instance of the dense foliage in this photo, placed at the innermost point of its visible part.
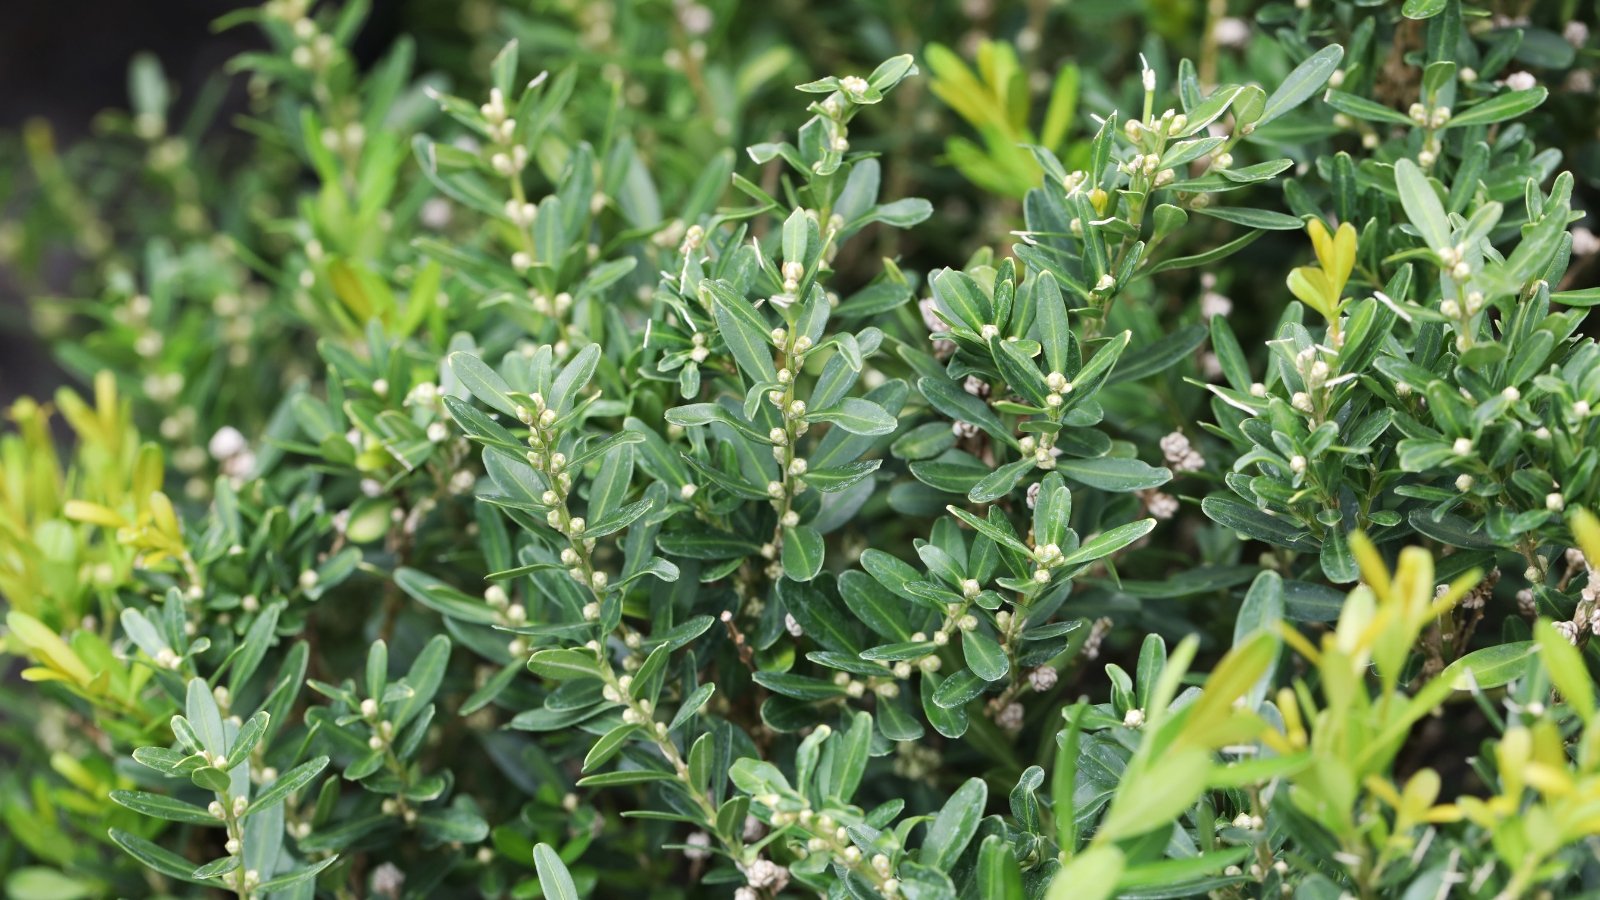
(485, 481)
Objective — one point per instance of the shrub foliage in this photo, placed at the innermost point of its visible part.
(492, 483)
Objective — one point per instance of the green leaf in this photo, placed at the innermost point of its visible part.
(1109, 542)
(1064, 779)
(451, 824)
(957, 292)
(948, 398)
(1422, 205)
(1230, 356)
(1491, 667)
(143, 633)
(923, 442)
(1582, 297)
(1051, 323)
(618, 519)
(1337, 562)
(424, 677)
(999, 877)
(1166, 874)
(1110, 473)
(954, 826)
(1255, 524)
(820, 616)
(153, 857)
(1095, 372)
(201, 710)
(624, 778)
(1362, 108)
(442, 598)
(218, 867)
(483, 382)
(1499, 108)
(1159, 356)
(800, 687)
(1211, 109)
(561, 664)
(1000, 482)
(1157, 795)
(41, 883)
(990, 530)
(837, 478)
(1215, 254)
(290, 879)
(803, 552)
(1422, 9)
(857, 416)
(245, 741)
(1092, 875)
(1265, 219)
(743, 330)
(878, 607)
(1019, 370)
(952, 723)
(573, 379)
(164, 807)
(1261, 611)
(705, 413)
(691, 705)
(287, 783)
(212, 779)
(984, 656)
(553, 876)
(1306, 79)
(1564, 663)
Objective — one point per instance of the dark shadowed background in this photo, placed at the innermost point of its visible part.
(64, 61)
